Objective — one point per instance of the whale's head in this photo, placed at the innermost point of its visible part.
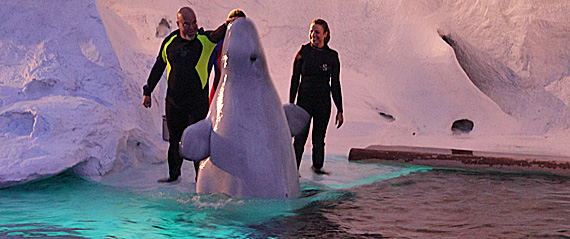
(242, 53)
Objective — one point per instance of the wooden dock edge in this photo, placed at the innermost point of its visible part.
(466, 159)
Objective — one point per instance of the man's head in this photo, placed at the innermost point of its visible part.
(186, 21)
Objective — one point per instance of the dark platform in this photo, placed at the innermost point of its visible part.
(455, 158)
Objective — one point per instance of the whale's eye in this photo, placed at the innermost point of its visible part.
(253, 58)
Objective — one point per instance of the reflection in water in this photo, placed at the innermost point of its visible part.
(312, 221)
(38, 230)
(443, 204)
(422, 204)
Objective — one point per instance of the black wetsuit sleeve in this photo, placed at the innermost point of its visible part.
(335, 85)
(156, 72)
(154, 76)
(296, 77)
(218, 34)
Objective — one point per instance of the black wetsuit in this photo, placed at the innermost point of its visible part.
(187, 93)
(318, 69)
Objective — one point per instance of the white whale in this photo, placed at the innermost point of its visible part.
(245, 141)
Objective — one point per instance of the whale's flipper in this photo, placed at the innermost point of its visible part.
(195, 141)
(297, 118)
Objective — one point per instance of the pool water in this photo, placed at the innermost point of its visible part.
(357, 200)
(454, 204)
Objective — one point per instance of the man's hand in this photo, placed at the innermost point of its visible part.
(147, 102)
(339, 120)
(230, 20)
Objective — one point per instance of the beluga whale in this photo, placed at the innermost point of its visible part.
(245, 141)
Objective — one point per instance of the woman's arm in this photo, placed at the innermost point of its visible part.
(296, 77)
(335, 85)
(336, 93)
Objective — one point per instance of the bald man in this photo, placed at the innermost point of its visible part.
(185, 54)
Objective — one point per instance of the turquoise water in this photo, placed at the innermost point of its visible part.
(357, 200)
(68, 206)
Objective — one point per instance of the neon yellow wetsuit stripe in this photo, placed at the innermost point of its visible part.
(165, 58)
(202, 65)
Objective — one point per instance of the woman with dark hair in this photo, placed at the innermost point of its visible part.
(316, 71)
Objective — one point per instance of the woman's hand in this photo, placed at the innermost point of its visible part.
(339, 119)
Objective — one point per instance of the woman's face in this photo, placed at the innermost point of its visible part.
(317, 35)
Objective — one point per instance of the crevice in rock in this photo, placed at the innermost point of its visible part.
(462, 126)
